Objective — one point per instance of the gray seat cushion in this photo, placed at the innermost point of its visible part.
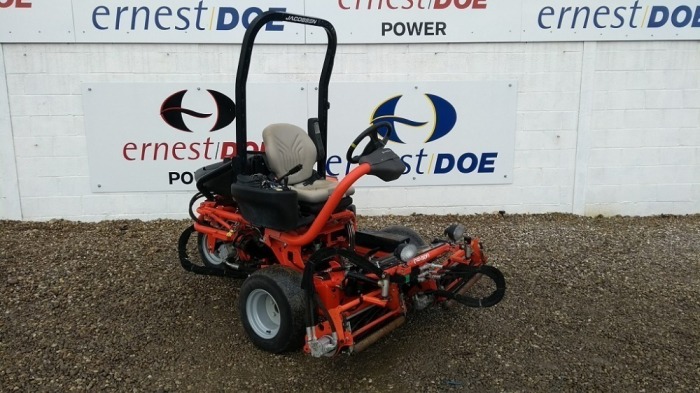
(287, 146)
(318, 191)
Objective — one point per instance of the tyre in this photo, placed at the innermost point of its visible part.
(216, 258)
(271, 305)
(413, 236)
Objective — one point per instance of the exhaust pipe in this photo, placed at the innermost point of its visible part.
(374, 337)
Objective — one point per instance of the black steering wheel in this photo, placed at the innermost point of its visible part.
(374, 144)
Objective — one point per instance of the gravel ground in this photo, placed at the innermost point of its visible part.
(593, 304)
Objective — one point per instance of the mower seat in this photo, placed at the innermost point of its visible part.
(287, 146)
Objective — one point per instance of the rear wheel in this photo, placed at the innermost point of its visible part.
(413, 236)
(271, 305)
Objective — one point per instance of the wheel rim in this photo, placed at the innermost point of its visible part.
(263, 313)
(212, 257)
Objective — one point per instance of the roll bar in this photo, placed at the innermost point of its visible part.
(242, 79)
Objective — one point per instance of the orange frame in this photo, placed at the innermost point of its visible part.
(288, 248)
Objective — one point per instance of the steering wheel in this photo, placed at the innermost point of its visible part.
(374, 144)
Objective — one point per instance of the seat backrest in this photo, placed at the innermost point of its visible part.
(287, 146)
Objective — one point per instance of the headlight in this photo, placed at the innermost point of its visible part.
(455, 232)
(406, 251)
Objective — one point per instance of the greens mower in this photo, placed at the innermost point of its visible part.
(313, 279)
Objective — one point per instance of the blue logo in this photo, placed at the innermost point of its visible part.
(444, 117)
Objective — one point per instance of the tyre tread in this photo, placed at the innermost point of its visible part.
(288, 281)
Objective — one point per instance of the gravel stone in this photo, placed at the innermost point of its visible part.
(593, 304)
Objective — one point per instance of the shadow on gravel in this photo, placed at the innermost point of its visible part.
(602, 304)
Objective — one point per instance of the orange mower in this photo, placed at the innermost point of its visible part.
(312, 278)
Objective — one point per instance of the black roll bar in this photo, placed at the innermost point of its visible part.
(242, 79)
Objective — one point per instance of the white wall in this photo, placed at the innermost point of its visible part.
(9, 194)
(611, 128)
(645, 129)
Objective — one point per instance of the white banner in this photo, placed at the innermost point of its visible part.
(356, 21)
(186, 21)
(36, 21)
(152, 137)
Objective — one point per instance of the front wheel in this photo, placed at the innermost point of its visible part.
(271, 305)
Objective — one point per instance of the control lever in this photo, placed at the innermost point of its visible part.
(285, 178)
(320, 151)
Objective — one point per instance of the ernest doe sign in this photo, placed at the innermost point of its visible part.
(152, 137)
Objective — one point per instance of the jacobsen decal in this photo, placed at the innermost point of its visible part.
(301, 19)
